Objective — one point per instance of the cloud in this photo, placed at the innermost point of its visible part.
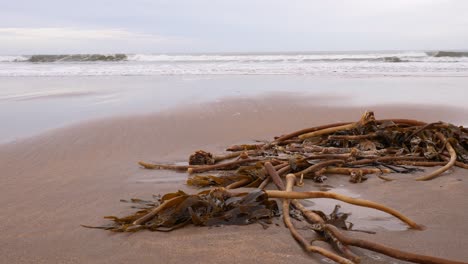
(240, 26)
(62, 39)
(74, 33)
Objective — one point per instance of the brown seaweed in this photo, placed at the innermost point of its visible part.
(208, 208)
(354, 149)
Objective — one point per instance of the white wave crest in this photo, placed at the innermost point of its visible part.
(17, 58)
(242, 64)
(273, 57)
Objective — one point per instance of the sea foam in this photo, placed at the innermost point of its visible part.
(320, 63)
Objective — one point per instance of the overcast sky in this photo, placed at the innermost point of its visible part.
(151, 26)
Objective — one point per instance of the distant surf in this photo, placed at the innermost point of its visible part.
(77, 57)
(456, 54)
(312, 63)
(64, 58)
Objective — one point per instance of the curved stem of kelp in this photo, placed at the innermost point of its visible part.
(346, 199)
(312, 218)
(328, 129)
(238, 184)
(453, 159)
(308, 130)
(236, 154)
(218, 166)
(386, 159)
(299, 238)
(318, 166)
(446, 157)
(156, 210)
(275, 177)
(349, 171)
(392, 252)
(152, 166)
(367, 117)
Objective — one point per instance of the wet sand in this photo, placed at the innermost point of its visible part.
(42, 103)
(75, 175)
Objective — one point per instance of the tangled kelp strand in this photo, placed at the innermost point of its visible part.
(355, 149)
(386, 250)
(330, 230)
(355, 201)
(349, 258)
(453, 158)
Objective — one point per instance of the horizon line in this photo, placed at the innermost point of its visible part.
(242, 52)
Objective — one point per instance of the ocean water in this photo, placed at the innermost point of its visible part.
(43, 92)
(403, 63)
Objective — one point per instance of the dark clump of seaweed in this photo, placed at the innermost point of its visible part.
(208, 208)
(201, 157)
(354, 149)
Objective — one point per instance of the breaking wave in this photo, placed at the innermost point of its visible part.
(319, 63)
(13, 58)
(441, 53)
(65, 58)
(397, 57)
(77, 58)
(272, 58)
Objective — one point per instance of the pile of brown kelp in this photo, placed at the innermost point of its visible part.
(357, 149)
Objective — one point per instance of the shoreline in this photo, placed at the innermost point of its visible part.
(75, 175)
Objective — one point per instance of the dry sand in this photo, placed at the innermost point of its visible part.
(54, 182)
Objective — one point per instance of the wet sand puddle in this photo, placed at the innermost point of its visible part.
(368, 257)
(365, 219)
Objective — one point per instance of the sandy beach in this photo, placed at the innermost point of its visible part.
(53, 182)
(365, 101)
